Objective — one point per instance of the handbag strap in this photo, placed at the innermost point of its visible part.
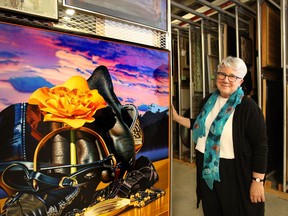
(67, 180)
(49, 182)
(44, 140)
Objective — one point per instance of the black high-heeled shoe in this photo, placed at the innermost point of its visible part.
(122, 139)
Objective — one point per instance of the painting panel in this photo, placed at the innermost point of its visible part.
(246, 50)
(148, 13)
(32, 58)
(212, 63)
(45, 9)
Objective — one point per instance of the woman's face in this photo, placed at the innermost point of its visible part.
(225, 86)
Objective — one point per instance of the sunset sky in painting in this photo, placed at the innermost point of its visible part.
(140, 75)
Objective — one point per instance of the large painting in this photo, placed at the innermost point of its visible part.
(32, 58)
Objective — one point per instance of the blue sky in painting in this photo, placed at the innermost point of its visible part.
(31, 58)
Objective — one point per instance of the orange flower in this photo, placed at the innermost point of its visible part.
(72, 103)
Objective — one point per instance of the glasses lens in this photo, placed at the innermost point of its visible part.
(232, 78)
(222, 76)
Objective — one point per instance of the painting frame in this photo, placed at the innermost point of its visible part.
(212, 63)
(271, 41)
(246, 50)
(212, 43)
(140, 76)
(45, 9)
(152, 15)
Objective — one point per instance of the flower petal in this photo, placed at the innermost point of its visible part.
(39, 96)
(72, 103)
(77, 82)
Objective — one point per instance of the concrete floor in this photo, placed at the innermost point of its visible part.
(184, 195)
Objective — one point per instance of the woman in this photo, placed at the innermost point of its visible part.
(231, 147)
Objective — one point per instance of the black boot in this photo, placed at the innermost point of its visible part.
(122, 139)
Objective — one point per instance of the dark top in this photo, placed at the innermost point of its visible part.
(250, 148)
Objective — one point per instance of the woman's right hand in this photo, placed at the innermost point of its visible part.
(174, 113)
(180, 119)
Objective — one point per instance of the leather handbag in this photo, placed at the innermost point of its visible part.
(56, 193)
(41, 178)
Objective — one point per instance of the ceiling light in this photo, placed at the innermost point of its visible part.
(70, 12)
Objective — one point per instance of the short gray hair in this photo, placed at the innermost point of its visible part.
(236, 64)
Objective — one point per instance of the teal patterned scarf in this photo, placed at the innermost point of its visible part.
(212, 150)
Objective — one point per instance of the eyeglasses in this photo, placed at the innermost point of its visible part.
(231, 77)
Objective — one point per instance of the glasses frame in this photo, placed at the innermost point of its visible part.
(230, 76)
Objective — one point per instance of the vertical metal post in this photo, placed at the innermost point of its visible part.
(203, 58)
(179, 88)
(191, 92)
(169, 47)
(259, 33)
(284, 66)
(220, 42)
(237, 30)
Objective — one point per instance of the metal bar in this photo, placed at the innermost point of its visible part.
(219, 9)
(179, 27)
(191, 92)
(168, 36)
(237, 2)
(171, 144)
(237, 30)
(203, 58)
(219, 38)
(275, 4)
(185, 20)
(179, 90)
(189, 10)
(284, 66)
(259, 33)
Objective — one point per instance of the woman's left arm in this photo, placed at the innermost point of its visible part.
(258, 139)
